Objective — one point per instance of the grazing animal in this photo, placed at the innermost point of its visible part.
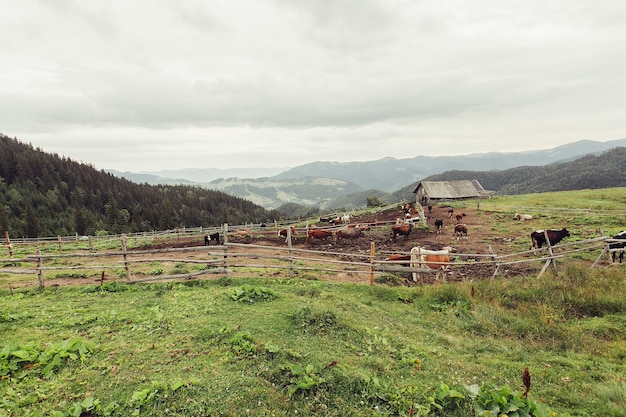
(401, 229)
(349, 233)
(318, 234)
(283, 233)
(213, 236)
(412, 220)
(438, 225)
(362, 226)
(432, 259)
(554, 236)
(459, 217)
(335, 221)
(430, 208)
(450, 212)
(460, 230)
(345, 219)
(398, 258)
(618, 245)
(522, 216)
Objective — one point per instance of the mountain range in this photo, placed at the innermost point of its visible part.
(329, 185)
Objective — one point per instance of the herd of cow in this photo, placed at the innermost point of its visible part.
(419, 257)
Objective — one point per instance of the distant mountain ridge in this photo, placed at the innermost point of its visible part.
(303, 185)
(389, 174)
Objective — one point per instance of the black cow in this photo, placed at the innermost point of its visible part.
(213, 236)
(438, 225)
(618, 245)
(554, 236)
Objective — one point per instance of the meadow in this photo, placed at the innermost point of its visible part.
(306, 345)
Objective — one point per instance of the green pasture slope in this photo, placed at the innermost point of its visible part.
(281, 346)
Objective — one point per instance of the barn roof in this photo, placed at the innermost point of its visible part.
(452, 189)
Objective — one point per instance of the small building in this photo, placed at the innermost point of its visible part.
(427, 191)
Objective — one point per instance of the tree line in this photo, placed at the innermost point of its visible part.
(42, 194)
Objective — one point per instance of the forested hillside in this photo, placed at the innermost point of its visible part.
(42, 194)
(606, 170)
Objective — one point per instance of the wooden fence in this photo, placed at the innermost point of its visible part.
(240, 259)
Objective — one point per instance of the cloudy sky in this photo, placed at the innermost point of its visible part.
(145, 85)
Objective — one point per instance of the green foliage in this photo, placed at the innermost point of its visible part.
(13, 358)
(315, 321)
(301, 378)
(251, 294)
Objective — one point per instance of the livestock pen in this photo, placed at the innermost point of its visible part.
(247, 259)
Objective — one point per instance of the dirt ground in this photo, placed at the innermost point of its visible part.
(469, 263)
(481, 238)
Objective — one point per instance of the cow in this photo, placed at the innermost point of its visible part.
(318, 234)
(348, 233)
(450, 212)
(345, 219)
(362, 226)
(618, 247)
(433, 259)
(522, 216)
(411, 220)
(213, 236)
(283, 233)
(459, 217)
(438, 225)
(460, 231)
(401, 229)
(554, 236)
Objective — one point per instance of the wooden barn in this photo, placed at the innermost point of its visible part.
(428, 191)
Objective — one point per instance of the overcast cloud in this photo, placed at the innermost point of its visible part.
(146, 85)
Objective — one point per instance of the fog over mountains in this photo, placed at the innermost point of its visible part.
(319, 183)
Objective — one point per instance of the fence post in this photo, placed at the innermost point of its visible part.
(59, 243)
(39, 269)
(125, 255)
(290, 251)
(495, 260)
(372, 252)
(6, 237)
(225, 245)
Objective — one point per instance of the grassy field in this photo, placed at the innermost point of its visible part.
(306, 346)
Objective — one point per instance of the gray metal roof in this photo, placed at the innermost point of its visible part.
(452, 189)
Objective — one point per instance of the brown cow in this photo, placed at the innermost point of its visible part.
(349, 233)
(460, 230)
(401, 229)
(318, 234)
(283, 233)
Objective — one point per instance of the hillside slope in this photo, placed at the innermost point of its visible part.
(42, 194)
(591, 171)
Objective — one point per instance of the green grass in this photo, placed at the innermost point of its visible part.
(272, 346)
(260, 346)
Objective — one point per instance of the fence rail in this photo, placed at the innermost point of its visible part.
(233, 258)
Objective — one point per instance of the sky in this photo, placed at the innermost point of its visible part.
(149, 85)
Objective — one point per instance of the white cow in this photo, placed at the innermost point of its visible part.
(523, 216)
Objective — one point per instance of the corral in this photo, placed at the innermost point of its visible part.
(488, 252)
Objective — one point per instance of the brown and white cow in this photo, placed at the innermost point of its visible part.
(431, 259)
